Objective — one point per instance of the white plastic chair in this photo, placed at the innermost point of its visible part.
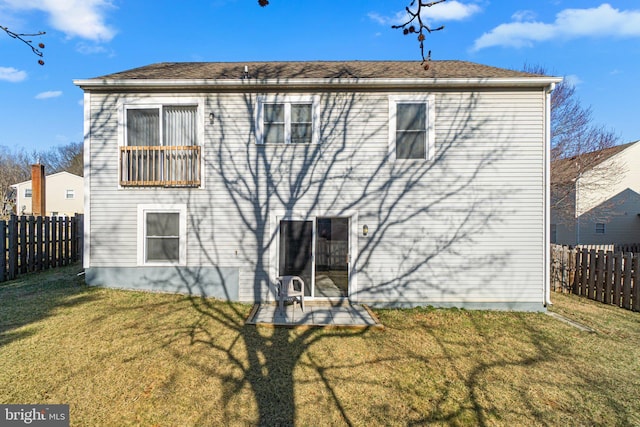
(287, 290)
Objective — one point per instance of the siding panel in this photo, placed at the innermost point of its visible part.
(465, 227)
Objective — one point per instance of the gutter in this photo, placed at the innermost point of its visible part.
(254, 84)
(546, 291)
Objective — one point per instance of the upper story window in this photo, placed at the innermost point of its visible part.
(411, 131)
(287, 120)
(70, 194)
(600, 228)
(161, 145)
(27, 192)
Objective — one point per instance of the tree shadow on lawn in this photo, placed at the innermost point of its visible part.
(34, 297)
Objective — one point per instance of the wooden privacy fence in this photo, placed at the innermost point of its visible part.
(605, 276)
(39, 243)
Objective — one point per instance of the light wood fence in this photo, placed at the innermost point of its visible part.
(605, 276)
(32, 244)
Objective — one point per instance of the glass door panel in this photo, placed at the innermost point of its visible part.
(296, 246)
(332, 257)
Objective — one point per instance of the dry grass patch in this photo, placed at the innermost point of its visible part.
(135, 358)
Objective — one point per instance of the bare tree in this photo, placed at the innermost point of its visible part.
(577, 145)
(37, 50)
(15, 166)
(414, 24)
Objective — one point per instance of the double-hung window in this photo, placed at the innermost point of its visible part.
(287, 120)
(161, 234)
(161, 146)
(411, 131)
(70, 194)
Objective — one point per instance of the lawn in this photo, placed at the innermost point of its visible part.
(132, 358)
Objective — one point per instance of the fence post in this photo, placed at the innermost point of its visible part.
(584, 274)
(13, 247)
(31, 243)
(626, 287)
(599, 276)
(591, 286)
(47, 243)
(60, 241)
(576, 274)
(608, 278)
(617, 278)
(22, 236)
(38, 237)
(3, 248)
(635, 291)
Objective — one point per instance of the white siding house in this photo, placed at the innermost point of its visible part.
(64, 195)
(599, 204)
(379, 182)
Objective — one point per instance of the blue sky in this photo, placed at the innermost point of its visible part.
(595, 44)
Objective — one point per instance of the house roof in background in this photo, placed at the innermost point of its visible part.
(65, 174)
(567, 170)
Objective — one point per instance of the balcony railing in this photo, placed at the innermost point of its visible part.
(157, 166)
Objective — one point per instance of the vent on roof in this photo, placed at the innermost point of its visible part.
(245, 73)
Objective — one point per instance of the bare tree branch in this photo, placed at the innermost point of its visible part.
(409, 27)
(413, 25)
(21, 36)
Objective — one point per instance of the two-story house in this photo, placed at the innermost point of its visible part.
(596, 197)
(64, 195)
(379, 182)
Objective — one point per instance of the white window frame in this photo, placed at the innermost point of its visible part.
(160, 108)
(157, 102)
(287, 101)
(70, 191)
(429, 100)
(30, 194)
(143, 210)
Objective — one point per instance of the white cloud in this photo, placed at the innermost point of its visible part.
(49, 94)
(12, 75)
(602, 21)
(572, 80)
(76, 18)
(524, 15)
(87, 49)
(448, 11)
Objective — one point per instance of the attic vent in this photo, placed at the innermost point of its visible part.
(245, 73)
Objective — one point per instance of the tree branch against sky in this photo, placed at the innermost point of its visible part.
(37, 50)
(414, 24)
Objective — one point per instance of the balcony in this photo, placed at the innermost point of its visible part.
(160, 166)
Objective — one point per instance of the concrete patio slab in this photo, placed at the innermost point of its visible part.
(316, 314)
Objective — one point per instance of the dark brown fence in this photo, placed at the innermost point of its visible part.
(605, 276)
(39, 243)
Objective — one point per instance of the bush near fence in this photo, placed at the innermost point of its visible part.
(39, 243)
(598, 273)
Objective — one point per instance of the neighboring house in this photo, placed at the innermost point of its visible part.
(379, 182)
(597, 197)
(64, 195)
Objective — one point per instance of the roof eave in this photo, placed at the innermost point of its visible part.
(365, 83)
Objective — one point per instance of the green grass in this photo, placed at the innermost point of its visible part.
(133, 358)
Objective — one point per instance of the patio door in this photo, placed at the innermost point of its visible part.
(317, 251)
(296, 251)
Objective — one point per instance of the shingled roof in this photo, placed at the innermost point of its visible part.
(567, 170)
(315, 70)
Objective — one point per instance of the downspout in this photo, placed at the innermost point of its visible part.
(546, 290)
